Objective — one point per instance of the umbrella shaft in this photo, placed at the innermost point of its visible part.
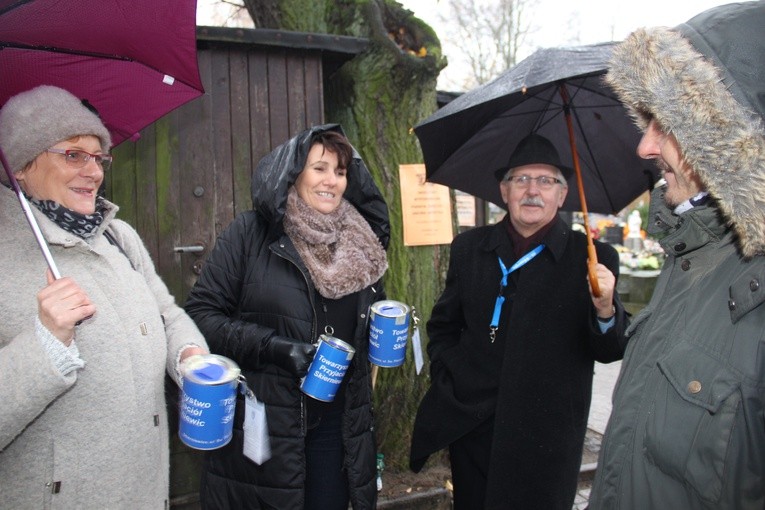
(30, 217)
(592, 256)
(38, 235)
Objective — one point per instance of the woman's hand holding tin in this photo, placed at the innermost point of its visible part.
(292, 355)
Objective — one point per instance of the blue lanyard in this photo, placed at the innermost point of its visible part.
(503, 283)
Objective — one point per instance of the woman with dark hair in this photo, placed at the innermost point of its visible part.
(307, 259)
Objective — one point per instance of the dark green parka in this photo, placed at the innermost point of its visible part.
(688, 424)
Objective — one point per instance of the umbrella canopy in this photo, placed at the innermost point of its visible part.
(133, 60)
(464, 142)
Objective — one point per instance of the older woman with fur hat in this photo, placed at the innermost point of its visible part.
(307, 259)
(82, 357)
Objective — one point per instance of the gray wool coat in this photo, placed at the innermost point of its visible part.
(98, 437)
(687, 428)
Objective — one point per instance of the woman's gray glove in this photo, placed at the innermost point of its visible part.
(292, 355)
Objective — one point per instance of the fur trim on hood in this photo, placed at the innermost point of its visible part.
(659, 73)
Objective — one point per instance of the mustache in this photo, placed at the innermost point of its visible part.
(662, 165)
(536, 201)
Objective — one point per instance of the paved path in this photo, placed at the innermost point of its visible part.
(602, 387)
(600, 409)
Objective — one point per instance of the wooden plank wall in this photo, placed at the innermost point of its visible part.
(187, 176)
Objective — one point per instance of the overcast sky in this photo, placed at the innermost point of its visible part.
(566, 22)
(554, 22)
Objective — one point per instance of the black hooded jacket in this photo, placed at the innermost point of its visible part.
(254, 286)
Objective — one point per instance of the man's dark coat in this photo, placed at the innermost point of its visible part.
(535, 380)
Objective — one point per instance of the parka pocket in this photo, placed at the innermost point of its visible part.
(691, 419)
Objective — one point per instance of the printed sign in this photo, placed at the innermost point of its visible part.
(425, 208)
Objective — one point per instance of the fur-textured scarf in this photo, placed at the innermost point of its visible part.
(339, 249)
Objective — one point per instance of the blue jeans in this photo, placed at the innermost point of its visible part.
(326, 486)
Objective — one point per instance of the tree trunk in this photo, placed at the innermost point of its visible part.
(378, 97)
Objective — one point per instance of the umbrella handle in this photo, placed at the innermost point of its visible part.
(592, 264)
(375, 369)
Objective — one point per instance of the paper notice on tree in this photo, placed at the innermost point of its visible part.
(425, 208)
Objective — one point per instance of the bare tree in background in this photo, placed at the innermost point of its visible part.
(487, 35)
(230, 13)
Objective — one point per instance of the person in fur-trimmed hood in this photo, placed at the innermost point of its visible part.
(306, 260)
(687, 426)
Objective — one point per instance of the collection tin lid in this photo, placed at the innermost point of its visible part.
(390, 308)
(337, 343)
(209, 369)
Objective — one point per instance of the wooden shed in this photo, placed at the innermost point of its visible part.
(189, 174)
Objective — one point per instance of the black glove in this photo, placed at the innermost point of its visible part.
(292, 355)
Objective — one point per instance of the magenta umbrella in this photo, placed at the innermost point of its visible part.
(133, 60)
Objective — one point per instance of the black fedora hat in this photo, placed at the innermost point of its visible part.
(534, 150)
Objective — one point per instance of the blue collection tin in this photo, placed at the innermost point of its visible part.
(333, 356)
(208, 401)
(388, 333)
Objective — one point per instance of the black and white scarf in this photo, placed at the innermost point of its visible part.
(81, 225)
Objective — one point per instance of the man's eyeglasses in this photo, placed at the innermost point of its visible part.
(76, 158)
(524, 181)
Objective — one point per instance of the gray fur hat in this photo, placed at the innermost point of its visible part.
(704, 82)
(35, 120)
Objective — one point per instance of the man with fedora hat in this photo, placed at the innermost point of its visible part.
(512, 343)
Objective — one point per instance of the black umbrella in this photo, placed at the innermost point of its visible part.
(560, 94)
(466, 140)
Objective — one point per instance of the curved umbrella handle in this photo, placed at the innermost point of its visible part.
(592, 264)
(592, 256)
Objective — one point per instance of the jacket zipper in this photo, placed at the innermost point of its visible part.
(314, 327)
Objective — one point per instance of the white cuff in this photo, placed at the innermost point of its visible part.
(177, 366)
(65, 359)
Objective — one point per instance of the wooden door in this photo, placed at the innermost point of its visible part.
(187, 176)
